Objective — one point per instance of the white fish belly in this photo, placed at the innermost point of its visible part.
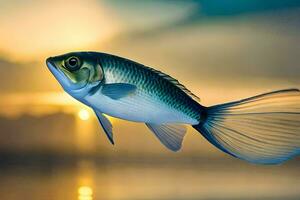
(139, 108)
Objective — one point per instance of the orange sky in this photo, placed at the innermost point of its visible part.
(247, 54)
(32, 29)
(219, 56)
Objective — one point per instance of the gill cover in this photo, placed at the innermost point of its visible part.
(77, 72)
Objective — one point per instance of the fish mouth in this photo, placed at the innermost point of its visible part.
(62, 78)
(51, 66)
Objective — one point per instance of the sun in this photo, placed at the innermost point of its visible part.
(83, 114)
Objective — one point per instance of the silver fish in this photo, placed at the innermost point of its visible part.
(264, 129)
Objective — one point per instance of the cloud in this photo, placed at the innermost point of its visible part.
(32, 29)
(206, 11)
(231, 48)
(25, 77)
(246, 50)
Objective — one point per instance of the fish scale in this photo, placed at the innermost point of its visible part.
(126, 71)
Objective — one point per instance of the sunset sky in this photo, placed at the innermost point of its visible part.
(52, 147)
(220, 51)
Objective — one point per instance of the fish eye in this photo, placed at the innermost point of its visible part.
(73, 63)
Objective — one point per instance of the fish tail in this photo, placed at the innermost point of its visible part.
(263, 129)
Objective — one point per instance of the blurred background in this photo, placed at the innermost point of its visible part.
(52, 147)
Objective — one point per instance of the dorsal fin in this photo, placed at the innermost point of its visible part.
(175, 82)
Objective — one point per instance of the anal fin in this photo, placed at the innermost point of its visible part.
(170, 135)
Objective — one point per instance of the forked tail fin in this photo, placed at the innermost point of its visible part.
(264, 129)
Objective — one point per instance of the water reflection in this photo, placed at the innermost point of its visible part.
(151, 179)
(86, 172)
(85, 193)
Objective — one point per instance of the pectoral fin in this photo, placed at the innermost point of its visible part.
(106, 125)
(171, 135)
(118, 90)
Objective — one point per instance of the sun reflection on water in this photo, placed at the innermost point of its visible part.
(85, 193)
(85, 187)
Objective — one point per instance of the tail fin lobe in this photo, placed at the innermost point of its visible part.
(264, 129)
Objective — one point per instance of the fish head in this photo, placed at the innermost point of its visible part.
(77, 72)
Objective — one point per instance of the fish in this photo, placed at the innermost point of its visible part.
(264, 129)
